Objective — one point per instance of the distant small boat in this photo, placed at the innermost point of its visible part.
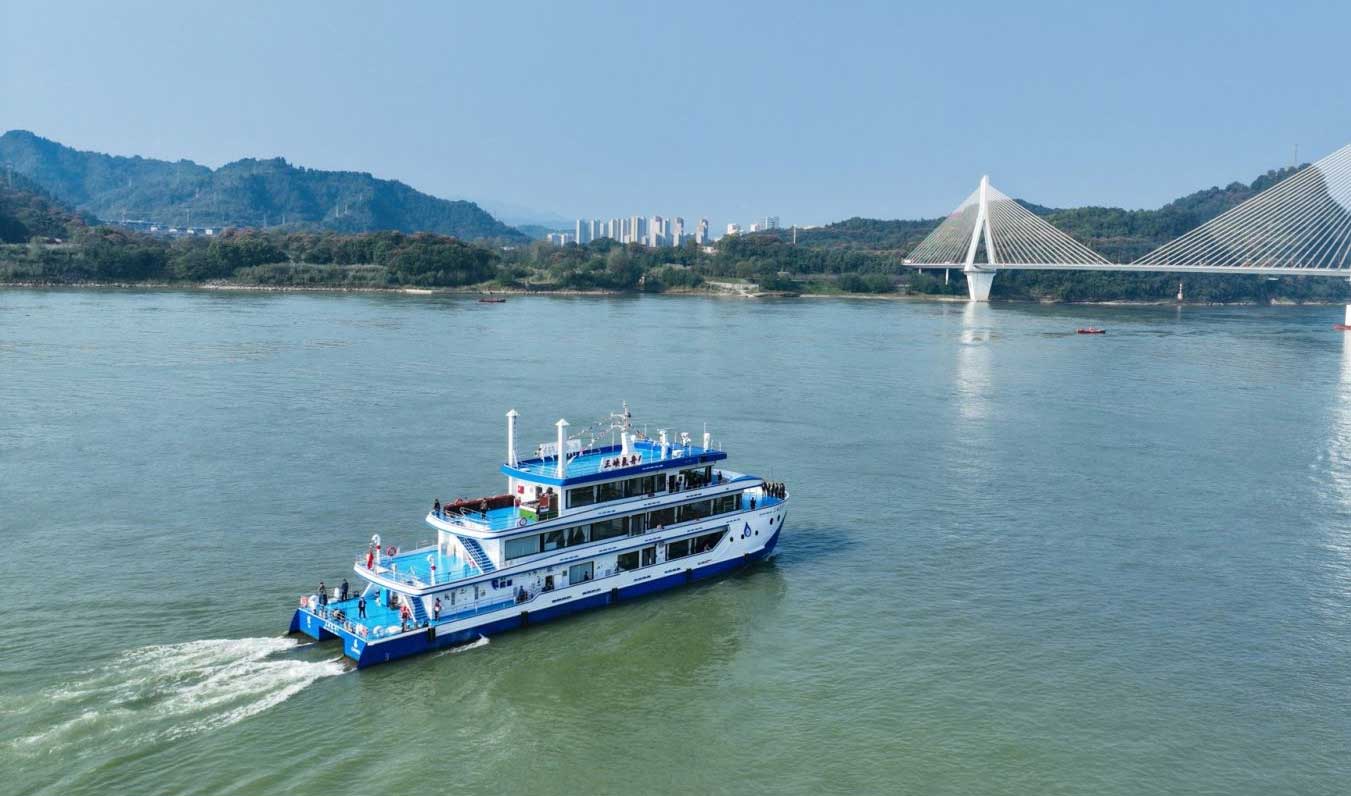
(1091, 330)
(491, 300)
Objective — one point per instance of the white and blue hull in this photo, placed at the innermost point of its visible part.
(750, 536)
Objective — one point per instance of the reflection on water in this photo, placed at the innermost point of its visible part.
(973, 362)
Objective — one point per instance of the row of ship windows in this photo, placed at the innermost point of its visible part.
(643, 485)
(634, 559)
(647, 556)
(632, 525)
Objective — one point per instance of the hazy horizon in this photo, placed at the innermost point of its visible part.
(732, 113)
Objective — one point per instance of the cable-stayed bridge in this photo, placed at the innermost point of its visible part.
(1300, 226)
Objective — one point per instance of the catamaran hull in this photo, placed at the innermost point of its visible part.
(371, 652)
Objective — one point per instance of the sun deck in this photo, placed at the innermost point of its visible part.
(601, 462)
(422, 567)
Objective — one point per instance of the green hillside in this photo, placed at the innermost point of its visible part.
(245, 193)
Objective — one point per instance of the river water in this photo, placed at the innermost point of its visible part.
(1017, 560)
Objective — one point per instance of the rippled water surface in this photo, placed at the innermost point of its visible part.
(1017, 560)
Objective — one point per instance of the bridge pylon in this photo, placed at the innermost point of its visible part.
(978, 279)
(1012, 235)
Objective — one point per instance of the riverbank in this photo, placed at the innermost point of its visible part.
(685, 292)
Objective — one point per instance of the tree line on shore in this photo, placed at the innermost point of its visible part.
(43, 242)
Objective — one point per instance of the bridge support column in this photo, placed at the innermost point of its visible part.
(978, 281)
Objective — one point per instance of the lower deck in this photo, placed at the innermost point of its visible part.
(367, 648)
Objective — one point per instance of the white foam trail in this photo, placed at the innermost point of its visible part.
(173, 690)
(481, 641)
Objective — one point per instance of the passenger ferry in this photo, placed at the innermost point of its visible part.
(580, 526)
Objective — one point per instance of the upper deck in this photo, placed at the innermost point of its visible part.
(607, 462)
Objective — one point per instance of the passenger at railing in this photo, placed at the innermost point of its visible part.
(342, 591)
(361, 607)
(436, 610)
(436, 508)
(405, 614)
(323, 595)
(752, 502)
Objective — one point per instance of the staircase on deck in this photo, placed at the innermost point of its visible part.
(477, 554)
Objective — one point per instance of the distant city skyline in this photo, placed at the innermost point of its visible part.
(819, 112)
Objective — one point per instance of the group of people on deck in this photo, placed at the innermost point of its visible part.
(776, 489)
(323, 593)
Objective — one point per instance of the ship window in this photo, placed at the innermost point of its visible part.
(649, 555)
(696, 478)
(523, 546)
(707, 541)
(581, 496)
(724, 504)
(577, 535)
(606, 529)
(613, 490)
(695, 511)
(661, 517)
(637, 524)
(678, 549)
(646, 485)
(552, 540)
(628, 561)
(580, 573)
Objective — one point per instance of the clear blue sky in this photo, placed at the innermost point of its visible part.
(814, 112)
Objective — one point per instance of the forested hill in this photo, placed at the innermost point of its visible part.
(246, 193)
(28, 212)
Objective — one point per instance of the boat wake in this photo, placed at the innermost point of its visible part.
(170, 691)
(481, 641)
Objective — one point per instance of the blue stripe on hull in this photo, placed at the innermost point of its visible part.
(418, 642)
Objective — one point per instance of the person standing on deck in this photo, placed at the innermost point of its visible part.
(436, 610)
(342, 591)
(361, 607)
(436, 508)
(323, 595)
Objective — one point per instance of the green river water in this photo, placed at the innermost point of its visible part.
(1017, 560)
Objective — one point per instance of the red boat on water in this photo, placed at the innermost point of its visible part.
(1091, 330)
(491, 300)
